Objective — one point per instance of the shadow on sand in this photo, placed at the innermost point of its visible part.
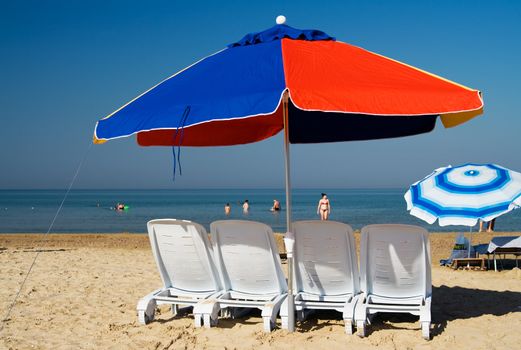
(449, 304)
(458, 303)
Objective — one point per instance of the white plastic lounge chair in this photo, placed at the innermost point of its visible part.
(325, 270)
(183, 256)
(248, 261)
(395, 274)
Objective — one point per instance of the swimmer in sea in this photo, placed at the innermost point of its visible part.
(276, 205)
(324, 207)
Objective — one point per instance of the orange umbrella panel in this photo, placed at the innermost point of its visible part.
(338, 77)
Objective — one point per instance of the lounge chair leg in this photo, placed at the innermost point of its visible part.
(284, 314)
(348, 314)
(360, 328)
(207, 320)
(426, 329)
(206, 312)
(301, 315)
(268, 323)
(174, 309)
(269, 317)
(425, 317)
(284, 322)
(226, 313)
(211, 318)
(349, 326)
(146, 312)
(198, 320)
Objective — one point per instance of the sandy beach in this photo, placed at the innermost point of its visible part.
(116, 114)
(83, 290)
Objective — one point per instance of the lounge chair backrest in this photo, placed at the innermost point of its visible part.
(395, 261)
(325, 258)
(247, 257)
(183, 255)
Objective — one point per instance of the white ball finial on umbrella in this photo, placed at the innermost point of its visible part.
(281, 19)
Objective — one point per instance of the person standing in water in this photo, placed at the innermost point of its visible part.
(324, 207)
(227, 209)
(276, 205)
(245, 207)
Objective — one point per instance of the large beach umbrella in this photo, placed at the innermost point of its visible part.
(303, 82)
(464, 194)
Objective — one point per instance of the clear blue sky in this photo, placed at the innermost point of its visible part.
(66, 64)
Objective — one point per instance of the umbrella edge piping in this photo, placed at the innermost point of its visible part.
(393, 114)
(103, 140)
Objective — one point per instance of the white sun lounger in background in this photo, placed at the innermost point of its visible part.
(183, 256)
(248, 262)
(325, 270)
(395, 274)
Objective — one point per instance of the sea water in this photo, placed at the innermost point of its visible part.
(92, 210)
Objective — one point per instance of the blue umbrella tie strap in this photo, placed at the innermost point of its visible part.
(179, 131)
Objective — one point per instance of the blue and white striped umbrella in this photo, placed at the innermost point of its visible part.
(464, 194)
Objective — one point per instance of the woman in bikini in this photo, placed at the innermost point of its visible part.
(227, 209)
(324, 208)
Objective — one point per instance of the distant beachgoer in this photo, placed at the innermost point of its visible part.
(227, 209)
(324, 207)
(276, 205)
(245, 206)
(120, 206)
(490, 225)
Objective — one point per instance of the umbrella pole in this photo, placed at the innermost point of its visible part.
(289, 239)
(470, 241)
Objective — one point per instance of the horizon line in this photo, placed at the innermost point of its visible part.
(200, 188)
